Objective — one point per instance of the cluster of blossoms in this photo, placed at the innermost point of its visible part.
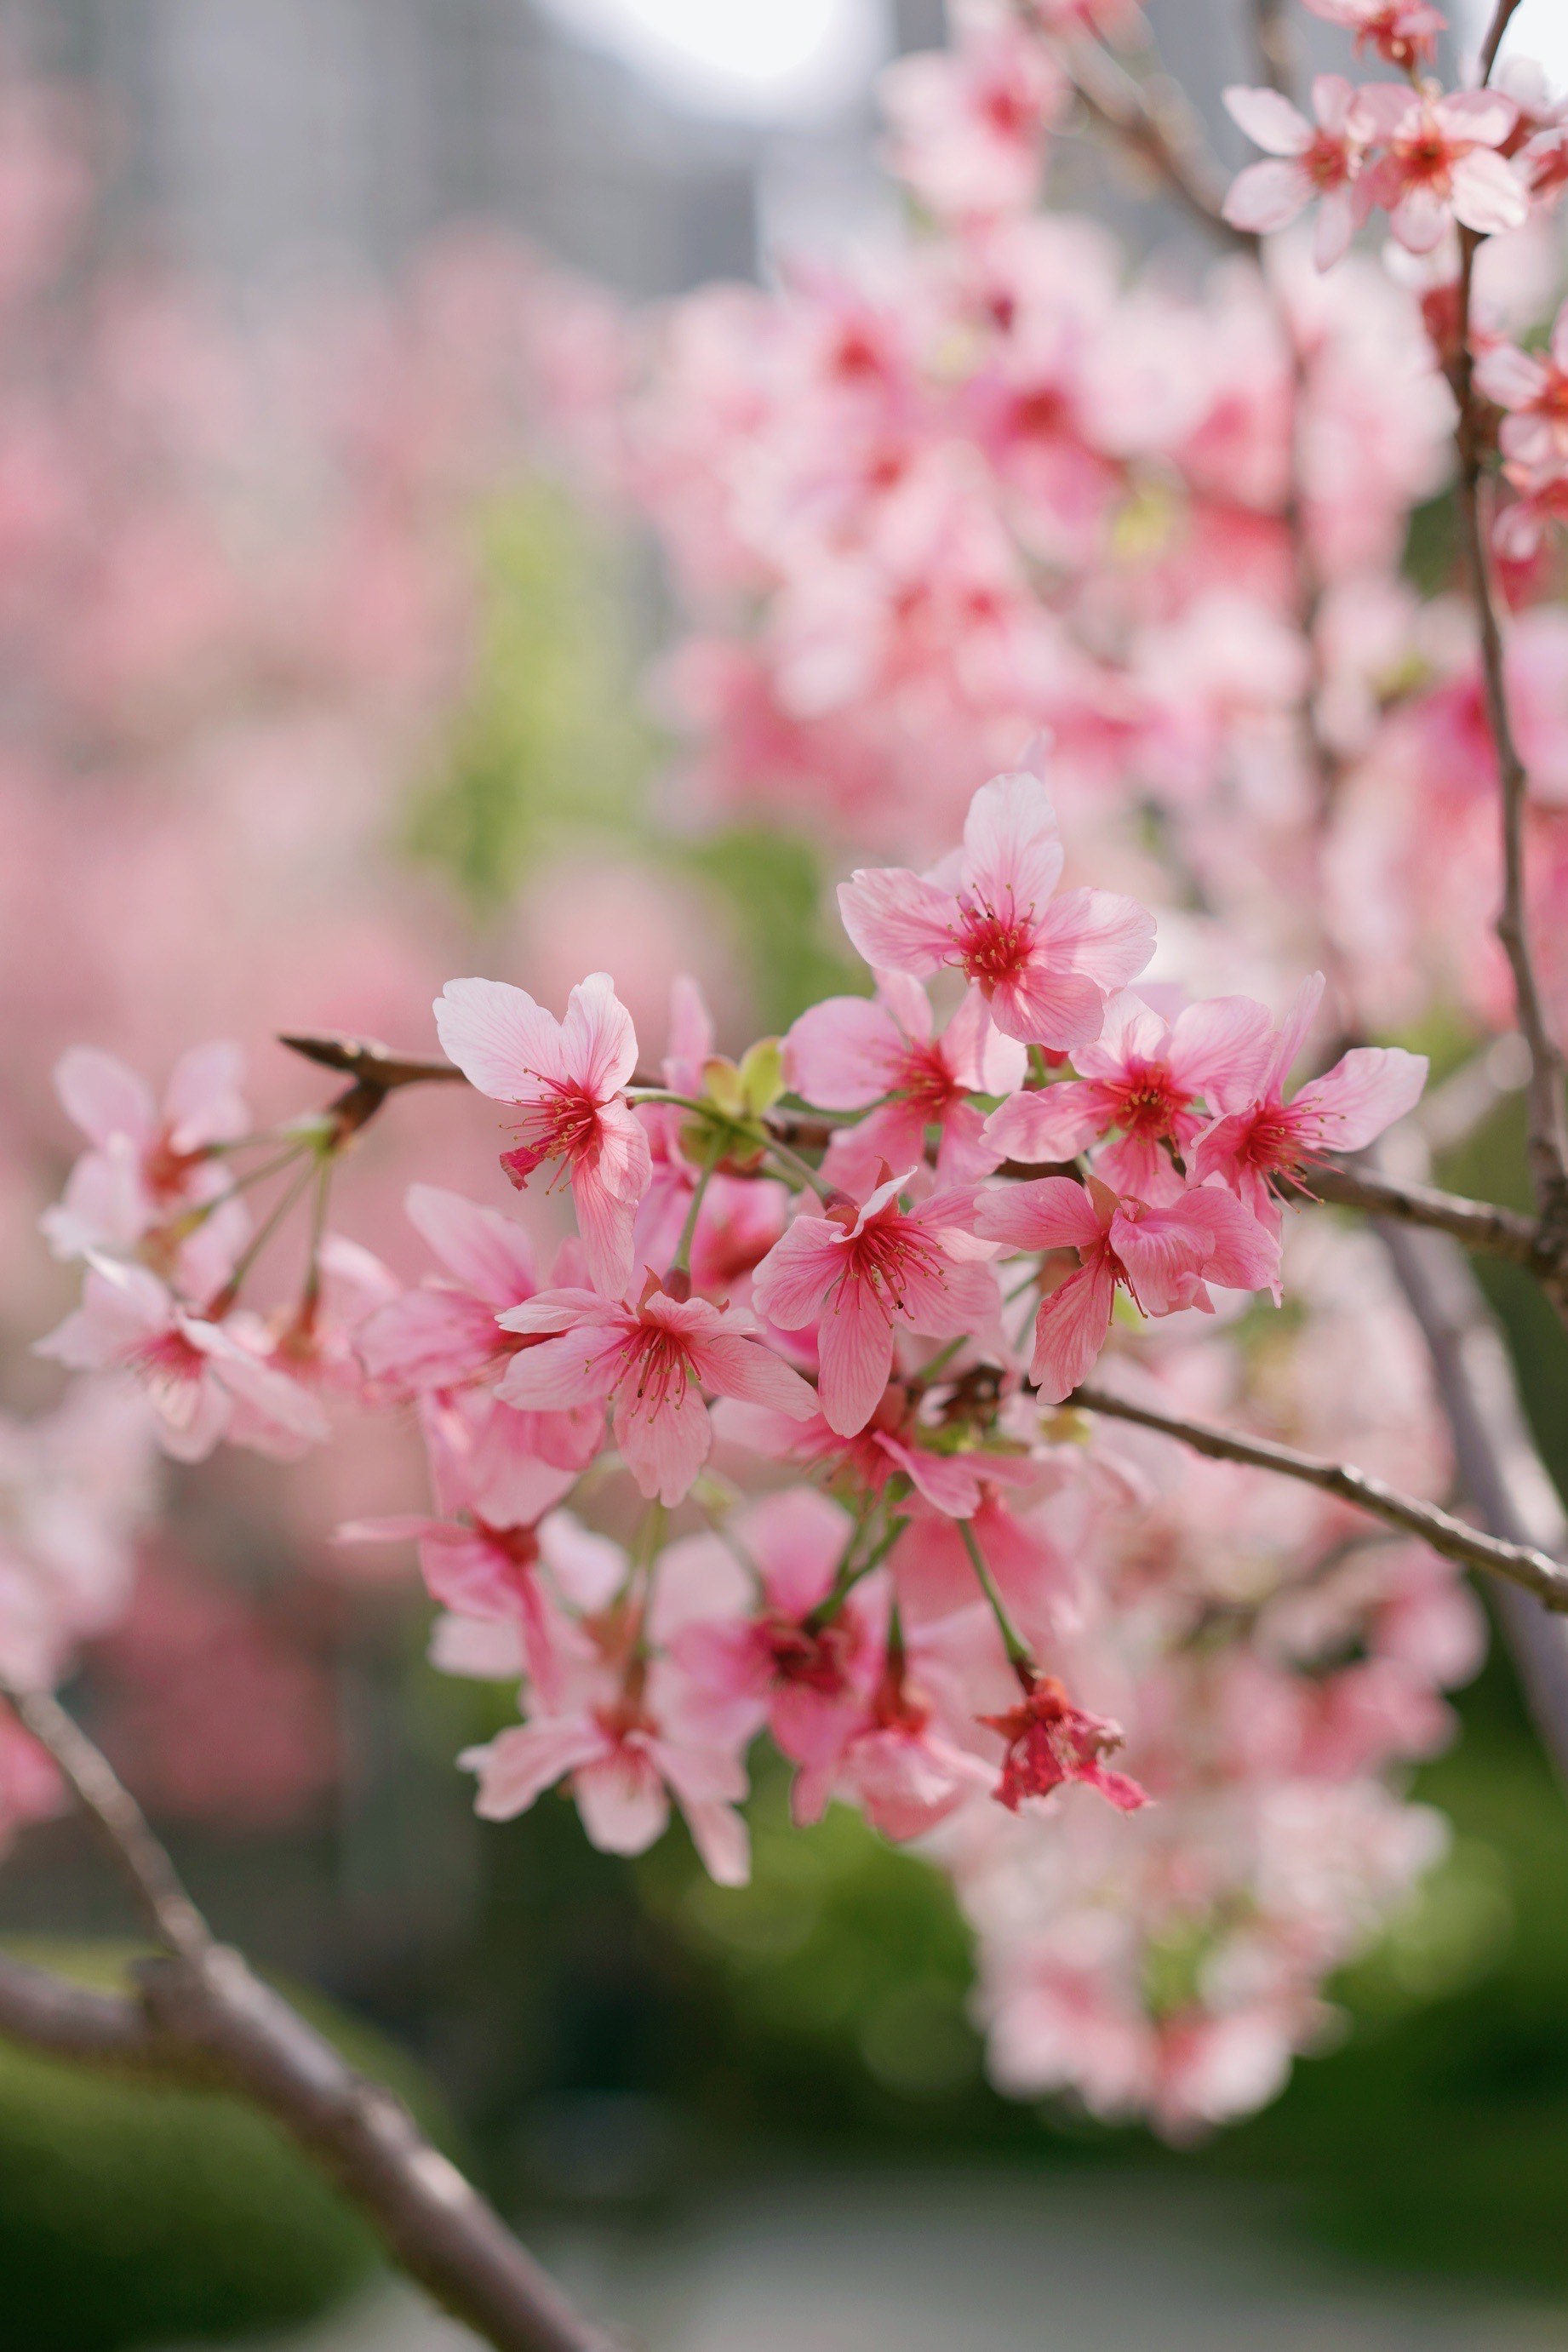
(864, 1270)
(814, 1345)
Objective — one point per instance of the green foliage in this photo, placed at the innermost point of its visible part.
(547, 744)
(132, 2214)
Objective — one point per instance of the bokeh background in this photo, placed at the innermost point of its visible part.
(327, 669)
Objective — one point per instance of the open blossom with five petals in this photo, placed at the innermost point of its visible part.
(202, 1383)
(1044, 965)
(1269, 1138)
(1163, 1258)
(848, 1053)
(565, 1080)
(1051, 1743)
(1439, 161)
(626, 1743)
(147, 1165)
(1321, 159)
(867, 1269)
(1144, 1075)
(651, 1363)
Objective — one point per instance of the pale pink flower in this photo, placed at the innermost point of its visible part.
(1402, 32)
(202, 1383)
(1046, 966)
(650, 1363)
(1532, 386)
(849, 1051)
(626, 1746)
(443, 1334)
(866, 1269)
(899, 1762)
(148, 1165)
(1541, 498)
(969, 125)
(1269, 1140)
(1144, 1075)
(566, 1079)
(1319, 159)
(1163, 1258)
(1439, 161)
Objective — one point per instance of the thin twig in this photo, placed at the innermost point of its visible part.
(1163, 136)
(1480, 1224)
(1274, 38)
(202, 2015)
(1521, 1563)
(1548, 1117)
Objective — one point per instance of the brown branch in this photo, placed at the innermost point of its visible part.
(1162, 134)
(1274, 37)
(1548, 1115)
(1490, 1231)
(1499, 1466)
(368, 1063)
(202, 2015)
(1521, 1563)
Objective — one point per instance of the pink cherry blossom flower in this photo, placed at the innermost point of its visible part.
(651, 1364)
(808, 1682)
(1540, 500)
(202, 1383)
(1045, 966)
(1532, 386)
(900, 1763)
(627, 1744)
(1163, 1258)
(1144, 1075)
(969, 126)
(1439, 161)
(566, 1079)
(147, 1165)
(849, 1051)
(1402, 32)
(1052, 1744)
(867, 1268)
(1270, 1140)
(1319, 159)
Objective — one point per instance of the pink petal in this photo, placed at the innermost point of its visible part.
(588, 1569)
(1484, 114)
(1044, 1006)
(576, 1368)
(1164, 1255)
(487, 1251)
(746, 1369)
(1013, 855)
(1292, 1034)
(1336, 226)
(1070, 1330)
(719, 1835)
(1333, 98)
(1132, 1031)
(1244, 1253)
(855, 1346)
(792, 1281)
(690, 1033)
(1220, 1048)
(979, 1054)
(1384, 110)
(797, 1538)
(1364, 1092)
(202, 1103)
(844, 1054)
(1046, 1213)
(607, 1222)
(504, 1042)
(1099, 933)
(1419, 219)
(103, 1096)
(1266, 196)
(598, 1043)
(896, 921)
(519, 1765)
(907, 1003)
(1269, 120)
(666, 1440)
(1509, 376)
(1049, 1123)
(622, 1801)
(1489, 194)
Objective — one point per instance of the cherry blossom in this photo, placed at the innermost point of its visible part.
(1163, 1258)
(1533, 388)
(1268, 1140)
(1439, 161)
(650, 1363)
(1402, 32)
(1046, 966)
(868, 1268)
(567, 1080)
(1321, 159)
(1052, 1744)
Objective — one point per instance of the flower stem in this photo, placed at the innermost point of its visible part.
(681, 1262)
(791, 1160)
(1020, 1657)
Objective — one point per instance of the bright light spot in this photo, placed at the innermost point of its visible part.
(769, 60)
(1540, 32)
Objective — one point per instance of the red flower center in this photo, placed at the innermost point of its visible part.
(563, 1124)
(992, 947)
(1150, 1103)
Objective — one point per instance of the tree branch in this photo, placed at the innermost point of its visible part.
(1480, 1224)
(1548, 1115)
(1522, 1563)
(1163, 135)
(202, 2015)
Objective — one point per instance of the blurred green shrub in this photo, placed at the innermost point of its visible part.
(131, 2214)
